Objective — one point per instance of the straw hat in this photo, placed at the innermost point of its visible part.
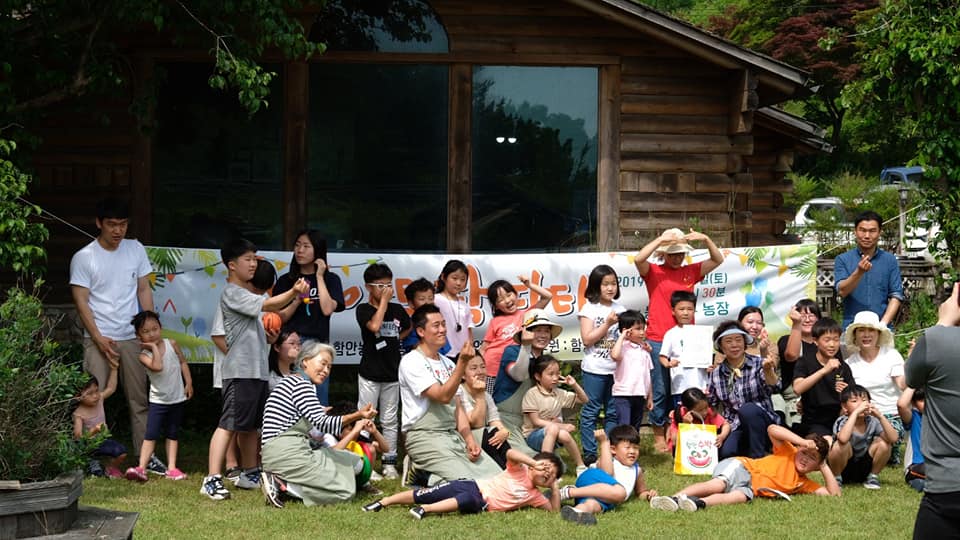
(867, 319)
(535, 318)
(677, 245)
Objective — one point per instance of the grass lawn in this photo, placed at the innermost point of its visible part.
(177, 510)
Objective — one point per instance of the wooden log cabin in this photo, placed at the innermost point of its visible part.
(458, 126)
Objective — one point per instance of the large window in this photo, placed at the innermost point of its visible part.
(377, 175)
(216, 171)
(534, 158)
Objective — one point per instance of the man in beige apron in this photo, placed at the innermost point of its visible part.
(428, 384)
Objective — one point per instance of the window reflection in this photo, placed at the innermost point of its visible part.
(216, 170)
(534, 158)
(377, 178)
(379, 25)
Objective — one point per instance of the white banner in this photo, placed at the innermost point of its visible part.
(187, 285)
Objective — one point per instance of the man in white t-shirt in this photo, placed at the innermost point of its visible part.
(438, 436)
(109, 284)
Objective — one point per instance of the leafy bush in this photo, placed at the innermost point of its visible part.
(21, 238)
(37, 386)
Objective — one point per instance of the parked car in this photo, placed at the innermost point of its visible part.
(901, 175)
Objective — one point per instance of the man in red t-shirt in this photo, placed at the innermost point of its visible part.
(661, 281)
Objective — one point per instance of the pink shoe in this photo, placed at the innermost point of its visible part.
(175, 474)
(136, 474)
(113, 472)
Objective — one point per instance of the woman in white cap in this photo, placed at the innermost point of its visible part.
(661, 280)
(877, 366)
(740, 389)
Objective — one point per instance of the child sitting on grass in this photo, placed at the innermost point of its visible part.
(863, 439)
(736, 480)
(89, 419)
(543, 425)
(695, 409)
(615, 476)
(516, 487)
(482, 414)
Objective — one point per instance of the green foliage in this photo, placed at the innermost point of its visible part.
(37, 385)
(916, 314)
(21, 239)
(805, 187)
(909, 58)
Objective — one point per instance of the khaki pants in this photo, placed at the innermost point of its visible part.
(132, 378)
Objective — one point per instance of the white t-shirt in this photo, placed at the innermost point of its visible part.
(416, 374)
(216, 329)
(596, 358)
(166, 385)
(681, 378)
(111, 277)
(454, 312)
(876, 377)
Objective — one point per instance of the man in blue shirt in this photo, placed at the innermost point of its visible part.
(867, 277)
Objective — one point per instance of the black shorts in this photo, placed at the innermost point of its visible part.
(857, 468)
(164, 421)
(466, 492)
(242, 404)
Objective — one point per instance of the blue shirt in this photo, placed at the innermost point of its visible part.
(876, 287)
(915, 426)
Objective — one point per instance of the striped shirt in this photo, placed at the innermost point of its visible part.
(294, 398)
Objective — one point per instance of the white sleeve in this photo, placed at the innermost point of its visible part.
(216, 327)
(80, 269)
(144, 268)
(418, 378)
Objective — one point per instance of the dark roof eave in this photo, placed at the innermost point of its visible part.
(795, 127)
(792, 81)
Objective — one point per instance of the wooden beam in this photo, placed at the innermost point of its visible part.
(680, 144)
(608, 166)
(141, 181)
(296, 97)
(744, 101)
(460, 160)
(677, 124)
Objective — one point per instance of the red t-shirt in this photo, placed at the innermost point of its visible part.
(661, 282)
(500, 336)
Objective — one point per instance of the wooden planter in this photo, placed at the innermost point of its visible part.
(39, 508)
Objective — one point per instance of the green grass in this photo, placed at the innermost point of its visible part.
(177, 510)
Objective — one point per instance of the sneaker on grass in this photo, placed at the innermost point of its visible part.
(418, 512)
(212, 487)
(233, 474)
(389, 472)
(667, 504)
(272, 489)
(136, 474)
(873, 482)
(156, 466)
(579, 517)
(689, 503)
(375, 506)
(249, 480)
(176, 474)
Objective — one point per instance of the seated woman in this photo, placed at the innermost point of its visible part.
(740, 388)
(877, 366)
(291, 468)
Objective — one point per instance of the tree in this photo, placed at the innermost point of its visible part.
(911, 72)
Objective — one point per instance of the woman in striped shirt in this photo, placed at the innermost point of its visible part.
(291, 468)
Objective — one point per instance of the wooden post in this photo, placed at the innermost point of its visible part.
(608, 156)
(459, 160)
(296, 97)
(141, 166)
(744, 100)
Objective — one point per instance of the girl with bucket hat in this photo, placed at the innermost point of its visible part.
(877, 366)
(661, 280)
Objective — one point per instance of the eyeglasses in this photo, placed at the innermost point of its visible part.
(380, 286)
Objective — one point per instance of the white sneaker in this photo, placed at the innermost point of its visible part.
(249, 480)
(668, 504)
(375, 476)
(390, 472)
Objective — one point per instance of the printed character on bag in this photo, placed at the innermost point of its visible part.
(696, 451)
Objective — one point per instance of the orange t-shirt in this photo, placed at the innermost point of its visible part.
(510, 490)
(778, 471)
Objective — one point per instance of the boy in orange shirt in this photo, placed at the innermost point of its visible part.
(737, 479)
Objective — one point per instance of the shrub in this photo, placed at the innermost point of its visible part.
(37, 386)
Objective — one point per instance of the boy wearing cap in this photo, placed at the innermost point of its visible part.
(513, 376)
(661, 281)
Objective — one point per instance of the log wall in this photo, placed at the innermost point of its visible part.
(677, 142)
